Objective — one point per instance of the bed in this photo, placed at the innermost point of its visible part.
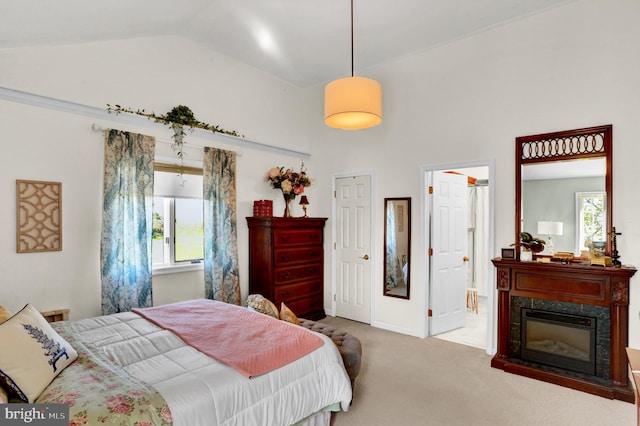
(130, 369)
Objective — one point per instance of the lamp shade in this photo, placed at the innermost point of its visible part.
(549, 228)
(353, 103)
(304, 200)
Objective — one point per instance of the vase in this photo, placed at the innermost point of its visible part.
(287, 211)
(526, 255)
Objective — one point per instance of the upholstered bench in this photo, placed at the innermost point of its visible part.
(348, 345)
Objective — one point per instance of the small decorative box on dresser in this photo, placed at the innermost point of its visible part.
(286, 262)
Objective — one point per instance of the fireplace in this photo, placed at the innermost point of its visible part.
(559, 340)
(588, 301)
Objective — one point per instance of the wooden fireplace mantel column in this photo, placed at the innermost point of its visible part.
(573, 283)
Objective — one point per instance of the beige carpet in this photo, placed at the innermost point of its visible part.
(408, 381)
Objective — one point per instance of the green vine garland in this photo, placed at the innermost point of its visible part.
(177, 118)
(180, 115)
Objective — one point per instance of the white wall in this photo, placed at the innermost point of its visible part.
(155, 74)
(572, 66)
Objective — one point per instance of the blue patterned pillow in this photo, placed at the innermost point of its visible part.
(32, 354)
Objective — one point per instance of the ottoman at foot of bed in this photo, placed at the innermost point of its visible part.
(348, 345)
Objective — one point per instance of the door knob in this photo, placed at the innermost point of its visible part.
(465, 259)
(365, 257)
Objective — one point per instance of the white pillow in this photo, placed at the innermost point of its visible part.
(32, 354)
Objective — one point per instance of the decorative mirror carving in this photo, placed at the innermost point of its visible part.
(397, 245)
(555, 173)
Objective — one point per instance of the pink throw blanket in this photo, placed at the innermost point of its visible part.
(251, 342)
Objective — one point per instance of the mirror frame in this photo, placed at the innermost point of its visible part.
(590, 142)
(384, 254)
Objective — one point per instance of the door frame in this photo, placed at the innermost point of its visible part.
(372, 255)
(490, 345)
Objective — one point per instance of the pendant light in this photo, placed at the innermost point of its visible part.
(353, 103)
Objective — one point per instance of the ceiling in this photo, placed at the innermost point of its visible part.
(304, 42)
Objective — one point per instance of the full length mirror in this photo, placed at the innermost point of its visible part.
(397, 243)
(563, 189)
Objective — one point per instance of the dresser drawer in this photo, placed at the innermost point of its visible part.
(296, 255)
(290, 237)
(297, 273)
(285, 293)
(301, 307)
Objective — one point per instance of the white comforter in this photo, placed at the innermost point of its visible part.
(202, 391)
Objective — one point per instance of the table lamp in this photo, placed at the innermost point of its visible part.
(549, 229)
(304, 202)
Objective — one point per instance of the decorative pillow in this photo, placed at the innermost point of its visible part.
(5, 314)
(262, 305)
(3, 396)
(32, 354)
(287, 315)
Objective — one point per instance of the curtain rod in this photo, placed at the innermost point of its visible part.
(55, 104)
(97, 128)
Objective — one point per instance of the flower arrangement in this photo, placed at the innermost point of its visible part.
(289, 182)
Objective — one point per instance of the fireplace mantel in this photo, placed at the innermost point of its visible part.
(573, 283)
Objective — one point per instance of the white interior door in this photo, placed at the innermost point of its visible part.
(449, 256)
(353, 248)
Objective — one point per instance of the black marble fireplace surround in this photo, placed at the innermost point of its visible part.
(602, 318)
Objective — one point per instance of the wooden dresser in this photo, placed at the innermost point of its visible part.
(286, 263)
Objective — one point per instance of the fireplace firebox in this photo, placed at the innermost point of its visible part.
(559, 340)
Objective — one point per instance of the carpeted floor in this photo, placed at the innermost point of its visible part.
(408, 381)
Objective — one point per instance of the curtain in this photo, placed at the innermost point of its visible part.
(125, 251)
(221, 278)
(478, 238)
(481, 248)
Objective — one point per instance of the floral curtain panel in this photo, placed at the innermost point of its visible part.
(221, 278)
(126, 221)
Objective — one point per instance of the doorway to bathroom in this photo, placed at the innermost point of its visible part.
(476, 304)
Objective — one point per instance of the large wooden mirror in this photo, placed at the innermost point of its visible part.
(564, 189)
(397, 244)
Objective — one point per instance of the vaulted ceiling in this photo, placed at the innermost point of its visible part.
(304, 42)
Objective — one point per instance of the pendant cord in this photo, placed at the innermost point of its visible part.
(351, 38)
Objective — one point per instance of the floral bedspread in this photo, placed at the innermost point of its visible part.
(98, 391)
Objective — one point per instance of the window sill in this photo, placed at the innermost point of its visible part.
(174, 269)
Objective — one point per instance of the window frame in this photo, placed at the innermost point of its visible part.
(170, 265)
(581, 195)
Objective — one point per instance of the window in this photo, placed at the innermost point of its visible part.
(178, 227)
(592, 220)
